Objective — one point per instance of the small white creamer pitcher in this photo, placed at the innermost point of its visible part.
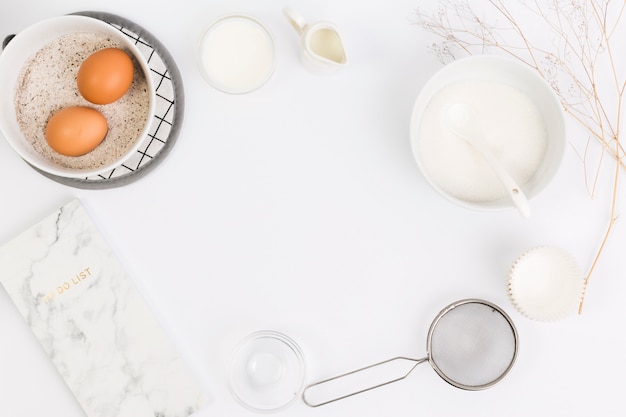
(322, 47)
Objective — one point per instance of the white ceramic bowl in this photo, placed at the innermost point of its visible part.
(17, 53)
(500, 70)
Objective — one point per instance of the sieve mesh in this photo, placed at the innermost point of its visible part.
(472, 345)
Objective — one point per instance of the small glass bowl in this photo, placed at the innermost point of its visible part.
(267, 371)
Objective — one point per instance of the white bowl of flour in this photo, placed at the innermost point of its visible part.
(521, 121)
(38, 71)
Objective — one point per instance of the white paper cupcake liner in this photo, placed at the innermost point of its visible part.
(545, 284)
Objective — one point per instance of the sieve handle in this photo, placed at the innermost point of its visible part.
(359, 372)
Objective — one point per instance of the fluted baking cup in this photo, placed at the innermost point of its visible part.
(545, 284)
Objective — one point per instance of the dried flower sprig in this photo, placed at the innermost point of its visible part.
(578, 61)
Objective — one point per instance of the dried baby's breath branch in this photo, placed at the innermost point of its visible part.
(578, 62)
(612, 220)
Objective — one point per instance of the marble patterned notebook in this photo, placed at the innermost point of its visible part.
(92, 322)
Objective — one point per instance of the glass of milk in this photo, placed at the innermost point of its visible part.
(236, 54)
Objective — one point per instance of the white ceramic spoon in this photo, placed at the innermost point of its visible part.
(462, 121)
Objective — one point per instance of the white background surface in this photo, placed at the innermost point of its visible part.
(299, 208)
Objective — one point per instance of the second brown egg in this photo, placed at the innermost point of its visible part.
(75, 131)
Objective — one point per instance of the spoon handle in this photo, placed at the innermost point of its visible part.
(463, 123)
(514, 190)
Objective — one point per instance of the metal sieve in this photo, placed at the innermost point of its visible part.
(471, 344)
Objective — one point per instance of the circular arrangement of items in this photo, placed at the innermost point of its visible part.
(168, 114)
(472, 344)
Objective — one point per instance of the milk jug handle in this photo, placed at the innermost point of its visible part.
(296, 20)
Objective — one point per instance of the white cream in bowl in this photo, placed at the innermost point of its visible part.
(511, 126)
(520, 120)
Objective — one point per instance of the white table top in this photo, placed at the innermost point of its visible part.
(299, 208)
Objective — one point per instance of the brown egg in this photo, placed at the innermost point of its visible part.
(105, 76)
(75, 131)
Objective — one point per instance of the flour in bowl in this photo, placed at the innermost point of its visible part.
(513, 129)
(47, 83)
